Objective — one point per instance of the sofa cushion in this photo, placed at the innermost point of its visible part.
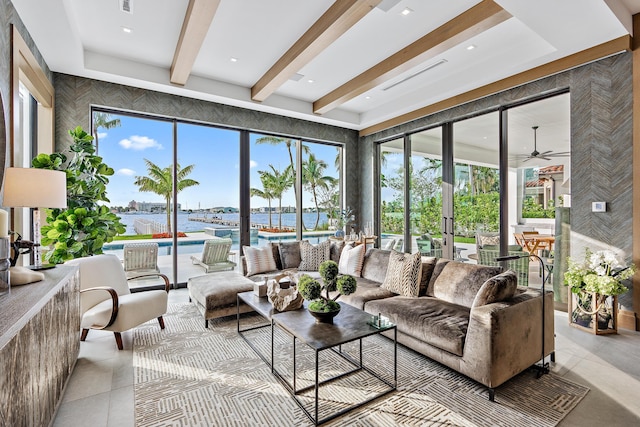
(289, 254)
(459, 283)
(436, 322)
(375, 264)
(497, 288)
(276, 254)
(403, 273)
(428, 265)
(351, 260)
(312, 256)
(367, 290)
(259, 260)
(437, 269)
(336, 250)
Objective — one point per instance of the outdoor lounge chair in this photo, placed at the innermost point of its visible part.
(488, 255)
(215, 255)
(140, 259)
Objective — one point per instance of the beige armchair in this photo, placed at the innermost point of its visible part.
(106, 301)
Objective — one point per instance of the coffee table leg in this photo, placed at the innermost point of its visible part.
(395, 358)
(317, 394)
(272, 352)
(360, 352)
(294, 365)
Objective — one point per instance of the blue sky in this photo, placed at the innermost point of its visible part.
(214, 152)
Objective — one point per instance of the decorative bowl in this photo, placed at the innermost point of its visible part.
(324, 316)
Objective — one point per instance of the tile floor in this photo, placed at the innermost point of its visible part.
(100, 391)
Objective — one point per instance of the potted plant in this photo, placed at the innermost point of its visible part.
(594, 279)
(87, 223)
(323, 307)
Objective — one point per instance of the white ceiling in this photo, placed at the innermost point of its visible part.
(85, 38)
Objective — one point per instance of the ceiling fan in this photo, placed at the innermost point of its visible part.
(546, 155)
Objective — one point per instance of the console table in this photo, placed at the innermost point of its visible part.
(39, 345)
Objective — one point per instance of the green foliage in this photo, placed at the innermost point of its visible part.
(532, 209)
(309, 288)
(85, 225)
(324, 306)
(312, 290)
(329, 272)
(347, 284)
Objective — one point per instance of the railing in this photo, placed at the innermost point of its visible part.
(145, 226)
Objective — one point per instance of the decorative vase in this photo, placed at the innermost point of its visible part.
(324, 316)
(594, 313)
(339, 233)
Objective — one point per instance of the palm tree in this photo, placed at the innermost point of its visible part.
(313, 178)
(103, 120)
(278, 183)
(265, 193)
(160, 181)
(274, 140)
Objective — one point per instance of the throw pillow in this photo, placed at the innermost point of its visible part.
(403, 274)
(289, 254)
(259, 260)
(351, 260)
(489, 240)
(336, 250)
(497, 288)
(312, 256)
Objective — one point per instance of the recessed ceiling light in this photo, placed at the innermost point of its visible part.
(232, 59)
(367, 97)
(406, 11)
(310, 81)
(471, 47)
(126, 30)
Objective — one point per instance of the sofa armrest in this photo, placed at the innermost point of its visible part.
(509, 334)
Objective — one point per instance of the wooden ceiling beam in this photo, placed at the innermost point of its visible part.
(196, 24)
(341, 16)
(595, 53)
(472, 22)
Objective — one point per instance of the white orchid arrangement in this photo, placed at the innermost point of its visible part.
(600, 272)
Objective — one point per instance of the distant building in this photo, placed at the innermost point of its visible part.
(149, 206)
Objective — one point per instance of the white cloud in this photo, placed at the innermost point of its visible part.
(126, 172)
(102, 135)
(253, 164)
(140, 143)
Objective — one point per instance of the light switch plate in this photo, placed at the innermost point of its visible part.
(598, 206)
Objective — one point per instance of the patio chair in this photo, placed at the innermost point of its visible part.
(487, 256)
(428, 246)
(140, 259)
(215, 256)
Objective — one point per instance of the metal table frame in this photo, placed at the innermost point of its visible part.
(277, 319)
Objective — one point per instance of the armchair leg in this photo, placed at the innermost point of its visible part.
(118, 340)
(83, 335)
(161, 321)
(492, 395)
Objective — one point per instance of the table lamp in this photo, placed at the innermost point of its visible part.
(35, 188)
(543, 368)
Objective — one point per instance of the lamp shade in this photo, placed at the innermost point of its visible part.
(35, 188)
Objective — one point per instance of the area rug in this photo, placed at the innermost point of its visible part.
(187, 375)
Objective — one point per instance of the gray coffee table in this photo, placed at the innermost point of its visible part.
(350, 325)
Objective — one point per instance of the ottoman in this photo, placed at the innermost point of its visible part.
(215, 294)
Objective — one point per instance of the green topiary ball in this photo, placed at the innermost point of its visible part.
(347, 284)
(309, 288)
(328, 271)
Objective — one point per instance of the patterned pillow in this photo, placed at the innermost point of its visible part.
(403, 274)
(259, 260)
(312, 256)
(351, 260)
(489, 240)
